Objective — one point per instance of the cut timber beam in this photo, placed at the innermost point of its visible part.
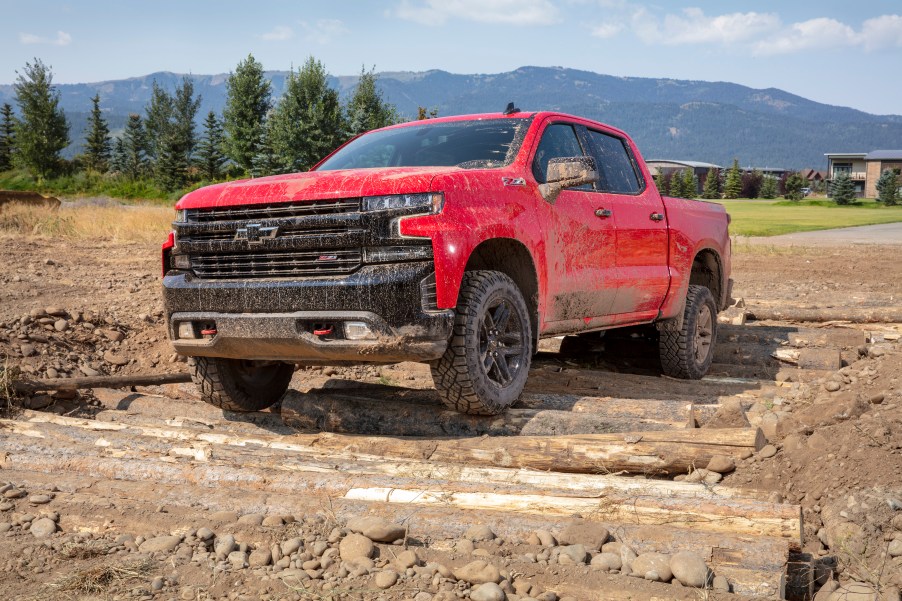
(848, 314)
(365, 413)
(28, 386)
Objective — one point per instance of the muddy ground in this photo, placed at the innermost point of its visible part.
(75, 309)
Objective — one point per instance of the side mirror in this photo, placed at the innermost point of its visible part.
(567, 172)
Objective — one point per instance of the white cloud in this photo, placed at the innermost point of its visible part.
(511, 12)
(607, 30)
(323, 31)
(279, 33)
(693, 26)
(808, 35)
(882, 32)
(62, 39)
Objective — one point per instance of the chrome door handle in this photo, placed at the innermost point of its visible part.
(603, 213)
(656, 216)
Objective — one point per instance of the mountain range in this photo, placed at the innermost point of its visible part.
(668, 118)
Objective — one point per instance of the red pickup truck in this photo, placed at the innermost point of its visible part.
(457, 241)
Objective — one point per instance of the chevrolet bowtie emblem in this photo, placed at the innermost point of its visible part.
(254, 233)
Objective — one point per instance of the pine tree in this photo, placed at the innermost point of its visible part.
(712, 184)
(119, 160)
(42, 131)
(158, 117)
(888, 187)
(209, 151)
(185, 108)
(793, 186)
(307, 123)
(7, 137)
(134, 148)
(97, 140)
(264, 161)
(732, 186)
(175, 136)
(424, 113)
(248, 101)
(690, 184)
(676, 184)
(843, 190)
(769, 187)
(366, 109)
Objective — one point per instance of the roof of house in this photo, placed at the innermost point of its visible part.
(884, 155)
(856, 155)
(694, 164)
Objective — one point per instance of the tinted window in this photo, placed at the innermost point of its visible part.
(478, 144)
(558, 140)
(616, 172)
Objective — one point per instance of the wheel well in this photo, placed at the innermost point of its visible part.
(513, 259)
(706, 271)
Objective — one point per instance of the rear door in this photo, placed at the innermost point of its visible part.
(642, 276)
(580, 244)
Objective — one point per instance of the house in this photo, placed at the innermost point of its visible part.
(671, 166)
(814, 176)
(863, 168)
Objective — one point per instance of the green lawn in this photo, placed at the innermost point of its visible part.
(774, 217)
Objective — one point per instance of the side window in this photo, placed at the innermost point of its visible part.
(558, 140)
(616, 172)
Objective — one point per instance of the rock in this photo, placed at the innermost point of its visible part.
(408, 559)
(113, 335)
(52, 373)
(273, 521)
(592, 535)
(831, 386)
(224, 545)
(61, 325)
(27, 349)
(14, 493)
(895, 548)
(158, 544)
(260, 558)
(386, 578)
(354, 546)
(730, 414)
(721, 584)
(37, 313)
(376, 529)
(204, 533)
(464, 546)
(88, 371)
(478, 572)
(115, 358)
(653, 576)
(42, 527)
(238, 559)
(721, 464)
(479, 532)
(689, 569)
(572, 554)
(39, 499)
(291, 545)
(38, 402)
(55, 312)
(488, 592)
(607, 562)
(653, 562)
(157, 584)
(897, 522)
(854, 591)
(546, 539)
(876, 399)
(252, 519)
(767, 451)
(225, 517)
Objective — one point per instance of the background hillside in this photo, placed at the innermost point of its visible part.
(697, 120)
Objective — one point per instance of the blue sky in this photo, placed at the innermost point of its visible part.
(838, 52)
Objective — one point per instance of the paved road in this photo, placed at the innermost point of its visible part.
(885, 233)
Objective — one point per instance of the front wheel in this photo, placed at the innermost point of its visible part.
(688, 352)
(485, 366)
(238, 384)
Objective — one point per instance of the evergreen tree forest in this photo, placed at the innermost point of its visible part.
(167, 150)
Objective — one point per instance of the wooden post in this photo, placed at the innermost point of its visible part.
(29, 386)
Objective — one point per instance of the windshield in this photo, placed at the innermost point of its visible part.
(478, 144)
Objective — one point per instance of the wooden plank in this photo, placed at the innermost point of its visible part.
(26, 386)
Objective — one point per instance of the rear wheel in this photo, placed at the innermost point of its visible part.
(688, 352)
(485, 367)
(240, 385)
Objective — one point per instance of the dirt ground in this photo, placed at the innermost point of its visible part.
(74, 309)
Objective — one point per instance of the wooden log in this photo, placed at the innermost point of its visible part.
(810, 358)
(113, 457)
(753, 565)
(650, 453)
(841, 337)
(814, 314)
(29, 386)
(346, 412)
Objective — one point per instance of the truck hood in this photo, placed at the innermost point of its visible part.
(315, 185)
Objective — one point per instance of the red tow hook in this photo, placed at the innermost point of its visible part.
(324, 332)
(211, 332)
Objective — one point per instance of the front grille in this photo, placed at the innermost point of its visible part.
(276, 264)
(284, 233)
(273, 211)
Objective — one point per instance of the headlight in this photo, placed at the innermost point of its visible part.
(430, 202)
(180, 216)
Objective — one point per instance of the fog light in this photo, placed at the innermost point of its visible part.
(181, 261)
(357, 330)
(186, 330)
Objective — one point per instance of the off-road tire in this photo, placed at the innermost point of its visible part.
(239, 385)
(463, 381)
(687, 353)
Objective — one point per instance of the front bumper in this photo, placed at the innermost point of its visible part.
(276, 319)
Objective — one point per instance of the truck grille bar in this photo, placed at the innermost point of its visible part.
(276, 264)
